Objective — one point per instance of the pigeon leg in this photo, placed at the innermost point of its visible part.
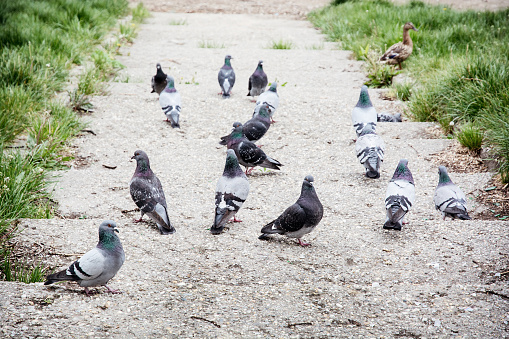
(302, 243)
(272, 121)
(87, 291)
(138, 220)
(236, 220)
(248, 172)
(112, 291)
(259, 146)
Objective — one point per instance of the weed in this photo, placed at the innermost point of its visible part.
(139, 13)
(403, 91)
(127, 32)
(281, 44)
(470, 136)
(178, 22)
(210, 44)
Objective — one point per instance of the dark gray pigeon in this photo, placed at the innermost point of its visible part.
(400, 196)
(257, 81)
(98, 265)
(248, 154)
(255, 128)
(158, 80)
(231, 192)
(171, 103)
(386, 117)
(269, 97)
(449, 199)
(300, 218)
(148, 195)
(226, 77)
(370, 148)
(363, 112)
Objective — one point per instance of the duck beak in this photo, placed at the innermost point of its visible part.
(415, 29)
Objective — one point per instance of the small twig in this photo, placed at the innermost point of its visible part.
(129, 211)
(22, 146)
(109, 167)
(299, 324)
(503, 296)
(418, 154)
(206, 320)
(88, 131)
(66, 254)
(504, 272)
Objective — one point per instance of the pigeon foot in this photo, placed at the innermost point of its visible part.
(236, 220)
(303, 244)
(138, 220)
(112, 291)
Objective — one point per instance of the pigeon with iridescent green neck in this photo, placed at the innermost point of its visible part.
(147, 193)
(255, 128)
(363, 112)
(257, 81)
(400, 196)
(449, 199)
(300, 218)
(226, 77)
(248, 154)
(158, 80)
(270, 98)
(170, 102)
(97, 266)
(231, 192)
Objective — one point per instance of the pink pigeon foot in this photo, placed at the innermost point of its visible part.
(138, 220)
(248, 171)
(236, 220)
(112, 291)
(303, 244)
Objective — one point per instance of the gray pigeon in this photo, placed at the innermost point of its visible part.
(370, 148)
(300, 218)
(363, 112)
(449, 199)
(248, 154)
(170, 102)
(269, 97)
(159, 80)
(148, 195)
(255, 128)
(257, 81)
(400, 196)
(386, 117)
(98, 265)
(231, 192)
(226, 77)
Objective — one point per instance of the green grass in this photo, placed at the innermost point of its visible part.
(459, 62)
(178, 22)
(470, 136)
(139, 13)
(41, 41)
(281, 44)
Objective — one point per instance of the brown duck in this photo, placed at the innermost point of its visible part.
(400, 51)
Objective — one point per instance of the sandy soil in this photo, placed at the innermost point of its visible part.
(432, 279)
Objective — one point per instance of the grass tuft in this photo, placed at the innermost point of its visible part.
(470, 136)
(178, 22)
(210, 44)
(281, 44)
(139, 13)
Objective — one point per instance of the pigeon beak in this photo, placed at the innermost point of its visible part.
(134, 156)
(115, 230)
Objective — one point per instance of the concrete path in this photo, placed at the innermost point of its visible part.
(432, 279)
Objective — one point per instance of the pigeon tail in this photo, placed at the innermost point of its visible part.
(60, 276)
(226, 96)
(395, 216)
(272, 228)
(389, 225)
(373, 166)
(174, 119)
(222, 217)
(271, 163)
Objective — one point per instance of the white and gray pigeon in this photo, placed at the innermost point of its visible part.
(400, 196)
(363, 112)
(98, 265)
(370, 148)
(257, 81)
(231, 192)
(248, 154)
(300, 218)
(159, 80)
(449, 199)
(255, 128)
(269, 97)
(171, 103)
(148, 195)
(387, 117)
(226, 77)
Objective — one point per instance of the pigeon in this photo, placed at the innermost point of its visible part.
(363, 112)
(269, 97)
(226, 77)
(386, 117)
(300, 218)
(148, 195)
(158, 80)
(370, 151)
(248, 154)
(231, 192)
(170, 102)
(257, 81)
(255, 128)
(449, 199)
(400, 196)
(98, 265)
